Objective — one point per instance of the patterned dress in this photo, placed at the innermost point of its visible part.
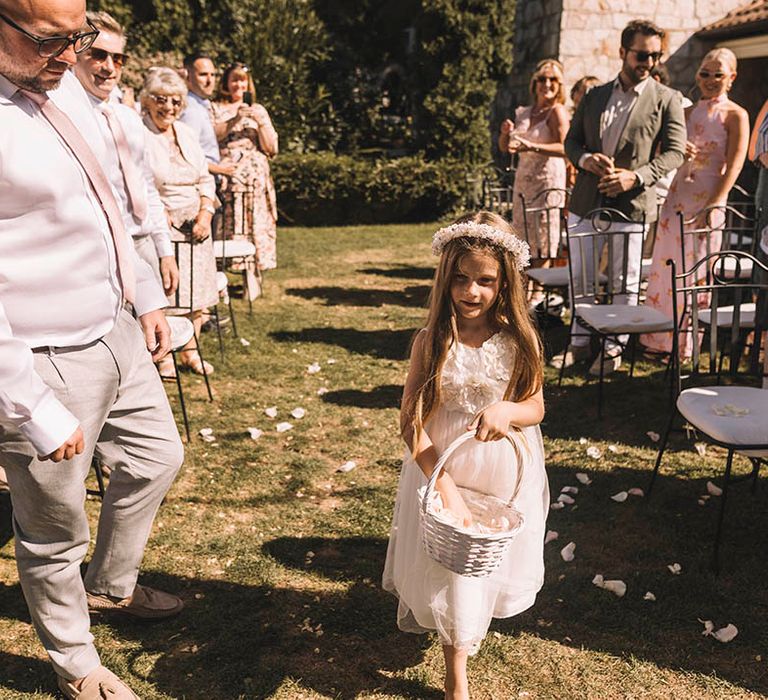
(536, 172)
(431, 597)
(690, 191)
(250, 205)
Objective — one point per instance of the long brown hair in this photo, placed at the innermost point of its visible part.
(508, 314)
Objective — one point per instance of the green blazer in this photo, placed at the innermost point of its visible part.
(652, 144)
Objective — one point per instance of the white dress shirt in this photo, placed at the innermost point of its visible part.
(59, 284)
(155, 223)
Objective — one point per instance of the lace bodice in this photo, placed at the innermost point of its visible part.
(474, 378)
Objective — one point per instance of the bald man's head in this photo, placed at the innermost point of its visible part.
(20, 59)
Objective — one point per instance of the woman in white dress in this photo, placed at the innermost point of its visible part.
(477, 365)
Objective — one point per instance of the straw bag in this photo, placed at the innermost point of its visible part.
(464, 552)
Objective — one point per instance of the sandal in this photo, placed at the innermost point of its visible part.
(166, 368)
(195, 364)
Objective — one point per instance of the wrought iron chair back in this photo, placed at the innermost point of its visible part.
(545, 211)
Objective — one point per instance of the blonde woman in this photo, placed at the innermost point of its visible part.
(537, 136)
(718, 136)
(246, 136)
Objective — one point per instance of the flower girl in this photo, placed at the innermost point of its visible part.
(477, 366)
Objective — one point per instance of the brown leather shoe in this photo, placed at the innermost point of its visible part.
(100, 684)
(146, 603)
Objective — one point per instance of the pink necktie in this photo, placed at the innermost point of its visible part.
(133, 182)
(101, 187)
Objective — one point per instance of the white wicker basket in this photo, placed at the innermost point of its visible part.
(470, 553)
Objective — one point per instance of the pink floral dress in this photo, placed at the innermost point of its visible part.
(536, 172)
(689, 192)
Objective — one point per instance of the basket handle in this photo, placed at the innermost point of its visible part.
(458, 442)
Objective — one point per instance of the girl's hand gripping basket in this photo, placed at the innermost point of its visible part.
(467, 550)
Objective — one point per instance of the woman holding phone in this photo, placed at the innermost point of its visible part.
(246, 136)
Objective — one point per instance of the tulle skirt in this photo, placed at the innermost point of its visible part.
(431, 598)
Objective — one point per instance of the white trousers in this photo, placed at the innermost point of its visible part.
(113, 389)
(581, 258)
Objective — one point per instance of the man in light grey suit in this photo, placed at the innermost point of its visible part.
(624, 136)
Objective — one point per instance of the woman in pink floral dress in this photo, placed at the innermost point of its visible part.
(537, 135)
(247, 137)
(718, 134)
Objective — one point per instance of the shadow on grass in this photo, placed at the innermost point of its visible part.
(385, 344)
(384, 396)
(365, 296)
(23, 674)
(6, 518)
(401, 271)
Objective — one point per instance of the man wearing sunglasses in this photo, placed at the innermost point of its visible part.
(99, 70)
(624, 136)
(76, 371)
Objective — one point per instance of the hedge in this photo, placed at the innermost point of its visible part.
(323, 189)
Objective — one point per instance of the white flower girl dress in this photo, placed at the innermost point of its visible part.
(460, 608)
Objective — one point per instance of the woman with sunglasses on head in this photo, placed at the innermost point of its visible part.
(247, 137)
(718, 136)
(188, 192)
(537, 136)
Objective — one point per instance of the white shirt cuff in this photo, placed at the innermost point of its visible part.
(583, 159)
(50, 426)
(163, 245)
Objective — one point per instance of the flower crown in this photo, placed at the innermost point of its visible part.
(470, 229)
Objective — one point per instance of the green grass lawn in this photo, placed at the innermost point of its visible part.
(278, 556)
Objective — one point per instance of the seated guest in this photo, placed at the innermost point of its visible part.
(99, 70)
(188, 192)
(718, 136)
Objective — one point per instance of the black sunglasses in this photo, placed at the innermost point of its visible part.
(52, 46)
(643, 56)
(544, 78)
(705, 74)
(100, 55)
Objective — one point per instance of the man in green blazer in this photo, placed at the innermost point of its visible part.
(625, 136)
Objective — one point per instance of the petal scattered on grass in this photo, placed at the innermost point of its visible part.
(331, 361)
(551, 536)
(322, 390)
(649, 596)
(655, 437)
(271, 412)
(620, 497)
(582, 441)
(583, 478)
(636, 492)
(613, 448)
(283, 427)
(724, 634)
(565, 498)
(701, 448)
(714, 490)
(255, 433)
(556, 506)
(298, 413)
(314, 368)
(594, 452)
(567, 552)
(245, 343)
(702, 502)
(675, 569)
(207, 434)
(569, 489)
(347, 466)
(615, 586)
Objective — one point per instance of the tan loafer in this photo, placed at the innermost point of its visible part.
(146, 603)
(100, 684)
(572, 355)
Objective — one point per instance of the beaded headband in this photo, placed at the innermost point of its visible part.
(470, 229)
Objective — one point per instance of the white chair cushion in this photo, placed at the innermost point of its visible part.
(725, 316)
(729, 267)
(221, 281)
(182, 331)
(234, 249)
(698, 406)
(645, 268)
(549, 276)
(620, 318)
